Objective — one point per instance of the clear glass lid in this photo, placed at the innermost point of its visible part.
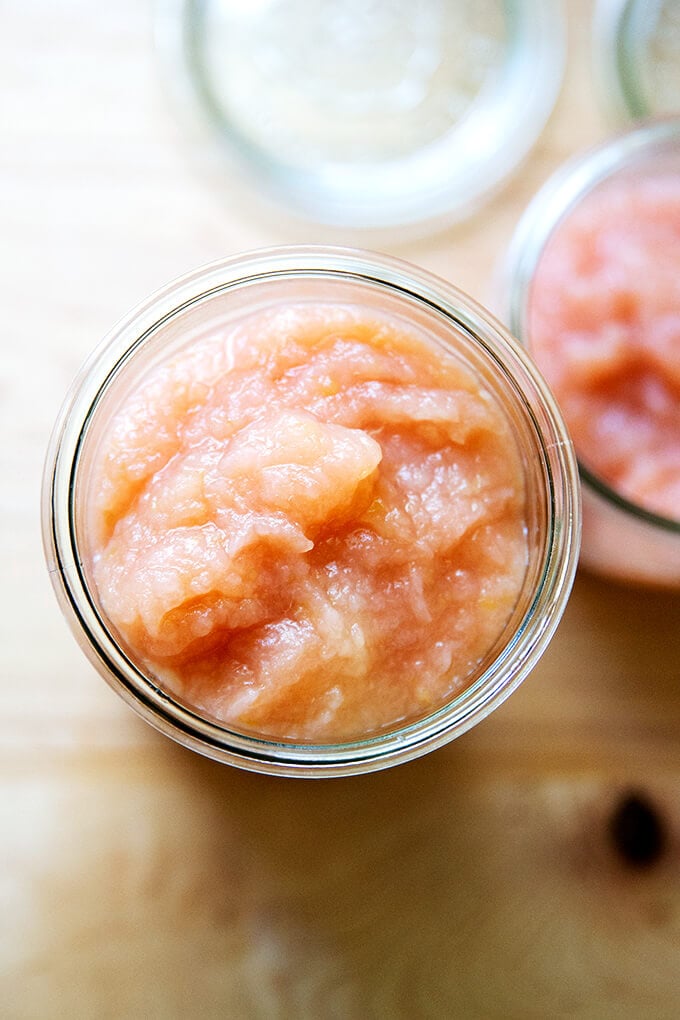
(638, 56)
(370, 113)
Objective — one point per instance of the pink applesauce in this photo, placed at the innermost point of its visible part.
(604, 327)
(310, 526)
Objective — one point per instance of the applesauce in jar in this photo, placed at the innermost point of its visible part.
(311, 524)
(604, 323)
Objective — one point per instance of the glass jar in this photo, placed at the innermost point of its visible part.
(200, 304)
(621, 538)
(387, 116)
(636, 49)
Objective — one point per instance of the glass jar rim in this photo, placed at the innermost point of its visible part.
(502, 675)
(551, 205)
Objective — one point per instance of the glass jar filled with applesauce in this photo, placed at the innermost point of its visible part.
(311, 511)
(591, 288)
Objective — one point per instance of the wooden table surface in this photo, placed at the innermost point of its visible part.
(502, 876)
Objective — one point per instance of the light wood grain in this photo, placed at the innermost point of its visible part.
(138, 880)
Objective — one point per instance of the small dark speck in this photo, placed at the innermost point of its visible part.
(636, 831)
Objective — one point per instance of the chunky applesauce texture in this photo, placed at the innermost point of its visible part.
(311, 525)
(604, 327)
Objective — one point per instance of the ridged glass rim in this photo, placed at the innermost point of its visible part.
(435, 203)
(548, 209)
(502, 676)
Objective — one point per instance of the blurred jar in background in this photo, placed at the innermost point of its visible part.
(637, 57)
(592, 287)
(368, 114)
